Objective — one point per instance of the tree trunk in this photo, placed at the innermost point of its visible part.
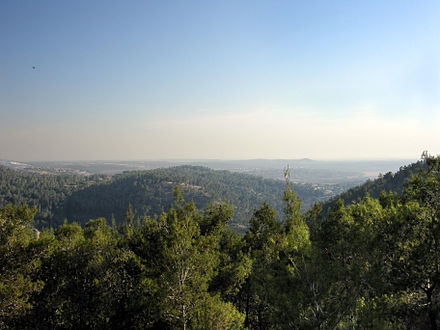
(431, 312)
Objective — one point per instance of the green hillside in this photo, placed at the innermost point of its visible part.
(390, 182)
(372, 264)
(80, 198)
(46, 192)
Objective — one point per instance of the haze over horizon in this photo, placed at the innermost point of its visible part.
(404, 161)
(219, 80)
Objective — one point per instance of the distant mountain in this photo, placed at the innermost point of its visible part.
(80, 198)
(389, 182)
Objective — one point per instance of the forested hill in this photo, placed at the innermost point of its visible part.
(47, 192)
(367, 265)
(389, 182)
(80, 198)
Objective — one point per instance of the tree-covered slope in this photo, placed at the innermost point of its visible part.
(372, 264)
(46, 192)
(390, 182)
(150, 192)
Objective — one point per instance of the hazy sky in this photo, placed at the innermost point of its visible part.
(219, 79)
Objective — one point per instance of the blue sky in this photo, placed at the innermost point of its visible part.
(219, 79)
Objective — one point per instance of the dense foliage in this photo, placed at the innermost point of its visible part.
(47, 192)
(371, 264)
(389, 182)
(77, 198)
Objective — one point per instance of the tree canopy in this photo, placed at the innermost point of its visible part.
(372, 263)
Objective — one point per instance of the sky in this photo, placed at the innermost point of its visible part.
(236, 79)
